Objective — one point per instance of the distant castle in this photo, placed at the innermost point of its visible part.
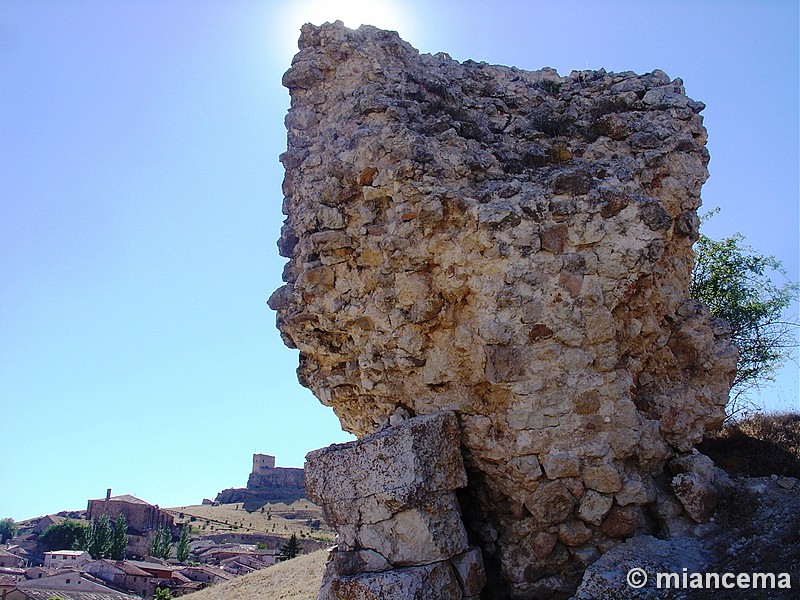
(267, 484)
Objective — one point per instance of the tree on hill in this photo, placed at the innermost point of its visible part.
(182, 550)
(119, 538)
(99, 538)
(67, 535)
(289, 549)
(161, 545)
(735, 282)
(8, 529)
(162, 594)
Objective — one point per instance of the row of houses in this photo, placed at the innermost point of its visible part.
(75, 572)
(73, 575)
(104, 579)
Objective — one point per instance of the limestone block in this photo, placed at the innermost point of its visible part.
(469, 571)
(602, 478)
(594, 507)
(430, 582)
(698, 496)
(358, 561)
(369, 479)
(621, 521)
(559, 464)
(430, 532)
(550, 503)
(606, 578)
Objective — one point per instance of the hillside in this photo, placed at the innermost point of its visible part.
(296, 579)
(302, 518)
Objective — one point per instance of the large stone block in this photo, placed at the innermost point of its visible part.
(429, 582)
(428, 533)
(391, 497)
(368, 480)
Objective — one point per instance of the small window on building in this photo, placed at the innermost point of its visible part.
(68, 580)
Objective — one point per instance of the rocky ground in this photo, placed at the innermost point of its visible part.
(754, 530)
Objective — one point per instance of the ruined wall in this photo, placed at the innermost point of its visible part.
(513, 246)
(267, 483)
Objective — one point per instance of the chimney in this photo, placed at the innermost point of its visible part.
(108, 494)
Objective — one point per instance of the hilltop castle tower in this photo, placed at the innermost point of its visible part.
(267, 483)
(263, 463)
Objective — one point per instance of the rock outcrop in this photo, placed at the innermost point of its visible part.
(515, 247)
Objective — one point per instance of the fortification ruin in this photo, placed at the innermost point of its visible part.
(513, 247)
(267, 483)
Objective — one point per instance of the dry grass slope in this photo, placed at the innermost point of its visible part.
(276, 519)
(758, 445)
(296, 579)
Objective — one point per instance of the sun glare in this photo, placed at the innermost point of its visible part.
(386, 14)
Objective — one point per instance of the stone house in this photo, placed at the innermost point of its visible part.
(122, 575)
(39, 572)
(66, 559)
(247, 563)
(45, 522)
(143, 519)
(7, 559)
(218, 555)
(23, 553)
(157, 570)
(8, 582)
(205, 574)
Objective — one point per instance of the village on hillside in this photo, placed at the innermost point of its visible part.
(153, 552)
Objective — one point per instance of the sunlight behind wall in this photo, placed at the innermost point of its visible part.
(394, 15)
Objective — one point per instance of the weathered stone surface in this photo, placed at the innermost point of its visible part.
(390, 471)
(594, 507)
(430, 582)
(621, 521)
(358, 561)
(606, 578)
(390, 495)
(512, 246)
(698, 496)
(425, 534)
(468, 568)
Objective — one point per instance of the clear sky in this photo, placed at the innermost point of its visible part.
(140, 204)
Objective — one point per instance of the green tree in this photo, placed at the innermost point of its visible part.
(161, 546)
(163, 594)
(67, 535)
(98, 538)
(8, 529)
(736, 283)
(119, 538)
(182, 550)
(289, 549)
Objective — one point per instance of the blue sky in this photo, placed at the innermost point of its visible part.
(140, 204)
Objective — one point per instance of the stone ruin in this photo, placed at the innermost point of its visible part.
(266, 484)
(509, 250)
